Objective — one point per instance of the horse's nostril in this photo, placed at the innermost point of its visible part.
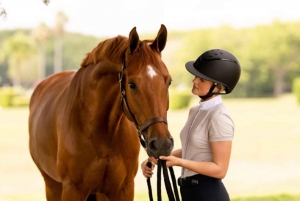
(172, 140)
(152, 145)
(171, 143)
(156, 145)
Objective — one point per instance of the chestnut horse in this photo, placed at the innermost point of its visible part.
(83, 124)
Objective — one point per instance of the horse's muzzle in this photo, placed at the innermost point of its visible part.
(160, 147)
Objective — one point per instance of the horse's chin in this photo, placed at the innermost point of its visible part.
(158, 154)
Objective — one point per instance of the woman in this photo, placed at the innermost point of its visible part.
(207, 136)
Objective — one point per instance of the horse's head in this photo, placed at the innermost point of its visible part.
(144, 87)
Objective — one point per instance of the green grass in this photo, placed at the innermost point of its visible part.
(265, 155)
(22, 197)
(144, 197)
(282, 197)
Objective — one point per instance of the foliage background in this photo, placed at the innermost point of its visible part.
(268, 55)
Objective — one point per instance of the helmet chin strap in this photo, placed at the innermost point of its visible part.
(210, 93)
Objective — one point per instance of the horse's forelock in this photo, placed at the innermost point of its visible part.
(144, 54)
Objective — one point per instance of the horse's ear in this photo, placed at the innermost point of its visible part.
(161, 39)
(133, 40)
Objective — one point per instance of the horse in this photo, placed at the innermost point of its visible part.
(83, 124)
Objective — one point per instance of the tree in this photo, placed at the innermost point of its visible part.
(2, 12)
(20, 52)
(278, 50)
(41, 34)
(46, 2)
(61, 20)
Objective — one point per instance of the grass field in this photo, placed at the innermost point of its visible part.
(265, 157)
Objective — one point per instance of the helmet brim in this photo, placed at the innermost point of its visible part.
(190, 67)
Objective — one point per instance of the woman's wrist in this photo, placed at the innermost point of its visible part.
(180, 162)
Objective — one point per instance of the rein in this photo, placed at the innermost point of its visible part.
(161, 163)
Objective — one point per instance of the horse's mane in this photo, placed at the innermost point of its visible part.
(111, 49)
(108, 49)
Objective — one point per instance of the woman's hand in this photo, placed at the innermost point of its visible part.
(171, 160)
(148, 172)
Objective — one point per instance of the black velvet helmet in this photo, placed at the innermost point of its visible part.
(218, 66)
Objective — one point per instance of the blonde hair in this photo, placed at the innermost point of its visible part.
(220, 87)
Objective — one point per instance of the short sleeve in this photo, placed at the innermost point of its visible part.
(221, 127)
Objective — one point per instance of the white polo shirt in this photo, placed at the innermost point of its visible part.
(207, 122)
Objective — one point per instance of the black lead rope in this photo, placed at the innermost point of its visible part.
(167, 181)
(174, 183)
(162, 164)
(149, 164)
(159, 181)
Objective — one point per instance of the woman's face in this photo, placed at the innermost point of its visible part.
(201, 86)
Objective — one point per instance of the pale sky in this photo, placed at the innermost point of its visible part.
(118, 17)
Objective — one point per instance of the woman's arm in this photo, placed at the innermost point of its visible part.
(177, 153)
(221, 152)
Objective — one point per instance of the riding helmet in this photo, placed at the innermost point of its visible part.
(218, 66)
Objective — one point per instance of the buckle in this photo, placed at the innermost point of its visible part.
(194, 182)
(180, 181)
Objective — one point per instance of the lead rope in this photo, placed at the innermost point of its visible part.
(174, 183)
(162, 164)
(149, 164)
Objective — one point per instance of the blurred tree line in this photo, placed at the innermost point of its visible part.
(268, 54)
(29, 61)
(28, 56)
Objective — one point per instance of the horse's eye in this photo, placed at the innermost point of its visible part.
(170, 82)
(132, 86)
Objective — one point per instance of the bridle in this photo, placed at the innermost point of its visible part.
(161, 164)
(124, 103)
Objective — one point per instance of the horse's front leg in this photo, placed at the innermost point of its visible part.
(126, 193)
(72, 192)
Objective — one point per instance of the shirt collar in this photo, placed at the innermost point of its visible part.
(206, 105)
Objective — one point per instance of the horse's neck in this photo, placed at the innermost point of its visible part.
(95, 92)
(95, 89)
